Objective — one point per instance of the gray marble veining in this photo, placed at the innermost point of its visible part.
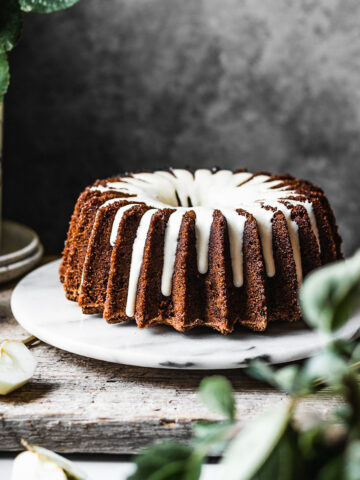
(40, 306)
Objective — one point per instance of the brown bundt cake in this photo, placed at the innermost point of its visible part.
(211, 248)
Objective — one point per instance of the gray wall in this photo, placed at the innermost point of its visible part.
(117, 85)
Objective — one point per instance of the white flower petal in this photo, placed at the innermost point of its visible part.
(33, 466)
(17, 366)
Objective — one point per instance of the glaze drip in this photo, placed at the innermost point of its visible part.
(204, 192)
(170, 245)
(136, 260)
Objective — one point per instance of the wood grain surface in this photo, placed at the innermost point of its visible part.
(76, 404)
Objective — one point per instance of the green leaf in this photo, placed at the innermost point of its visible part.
(261, 371)
(327, 366)
(320, 449)
(212, 436)
(281, 464)
(344, 414)
(45, 6)
(309, 440)
(344, 348)
(330, 295)
(211, 431)
(254, 445)
(10, 24)
(168, 461)
(352, 461)
(355, 357)
(4, 75)
(332, 470)
(289, 379)
(216, 393)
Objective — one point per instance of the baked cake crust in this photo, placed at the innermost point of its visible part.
(210, 248)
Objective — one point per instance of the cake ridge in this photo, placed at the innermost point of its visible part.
(269, 192)
(270, 200)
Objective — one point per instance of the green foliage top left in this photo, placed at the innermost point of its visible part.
(10, 28)
(4, 74)
(10, 24)
(45, 6)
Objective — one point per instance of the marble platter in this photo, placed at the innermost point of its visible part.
(39, 305)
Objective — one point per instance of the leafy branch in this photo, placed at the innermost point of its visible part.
(11, 16)
(274, 446)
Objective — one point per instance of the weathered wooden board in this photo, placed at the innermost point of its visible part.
(76, 404)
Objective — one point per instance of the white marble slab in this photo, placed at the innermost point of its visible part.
(39, 305)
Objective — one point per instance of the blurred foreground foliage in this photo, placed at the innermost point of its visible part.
(274, 446)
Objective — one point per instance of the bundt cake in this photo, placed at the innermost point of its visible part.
(211, 248)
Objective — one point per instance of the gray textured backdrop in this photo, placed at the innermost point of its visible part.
(118, 85)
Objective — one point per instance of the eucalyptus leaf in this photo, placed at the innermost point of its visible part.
(344, 414)
(10, 24)
(281, 465)
(4, 75)
(289, 379)
(261, 371)
(344, 348)
(330, 295)
(332, 470)
(45, 6)
(327, 366)
(352, 461)
(207, 431)
(212, 436)
(251, 449)
(320, 448)
(309, 440)
(167, 461)
(355, 357)
(216, 393)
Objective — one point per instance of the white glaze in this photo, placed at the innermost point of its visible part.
(202, 193)
(264, 222)
(117, 221)
(203, 221)
(310, 211)
(236, 225)
(136, 260)
(170, 246)
(294, 239)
